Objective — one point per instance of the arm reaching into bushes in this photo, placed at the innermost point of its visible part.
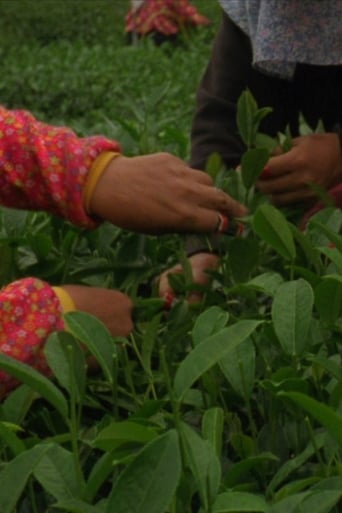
(87, 180)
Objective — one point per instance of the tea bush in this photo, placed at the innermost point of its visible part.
(230, 405)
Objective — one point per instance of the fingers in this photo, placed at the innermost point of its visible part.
(277, 185)
(298, 196)
(281, 163)
(198, 176)
(286, 189)
(215, 199)
(200, 263)
(164, 289)
(207, 195)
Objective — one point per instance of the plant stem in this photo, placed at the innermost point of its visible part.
(128, 376)
(70, 254)
(74, 426)
(149, 374)
(317, 452)
(254, 431)
(115, 388)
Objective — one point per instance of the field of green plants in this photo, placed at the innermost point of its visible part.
(230, 405)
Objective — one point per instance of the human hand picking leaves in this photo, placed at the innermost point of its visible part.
(314, 159)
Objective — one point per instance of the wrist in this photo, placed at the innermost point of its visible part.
(65, 298)
(98, 168)
(103, 201)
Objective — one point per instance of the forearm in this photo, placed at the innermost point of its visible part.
(46, 168)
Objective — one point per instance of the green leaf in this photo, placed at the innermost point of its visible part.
(334, 255)
(214, 166)
(36, 381)
(260, 115)
(285, 140)
(296, 486)
(18, 403)
(77, 506)
(289, 504)
(246, 111)
(119, 433)
(56, 473)
(14, 221)
(295, 463)
(329, 365)
(329, 483)
(328, 298)
(243, 257)
(239, 368)
(209, 352)
(252, 163)
(311, 253)
(331, 420)
(286, 385)
(41, 244)
(102, 469)
(319, 502)
(8, 435)
(91, 332)
(211, 321)
(150, 480)
(15, 475)
(291, 314)
(67, 362)
(201, 459)
(271, 226)
(324, 226)
(212, 428)
(268, 283)
(241, 468)
(235, 502)
(149, 337)
(265, 141)
(304, 127)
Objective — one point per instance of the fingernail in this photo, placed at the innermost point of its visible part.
(266, 173)
(168, 300)
(222, 223)
(229, 226)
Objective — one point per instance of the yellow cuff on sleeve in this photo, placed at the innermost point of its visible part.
(65, 299)
(95, 173)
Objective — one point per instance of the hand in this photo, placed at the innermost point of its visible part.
(200, 263)
(160, 193)
(111, 307)
(314, 159)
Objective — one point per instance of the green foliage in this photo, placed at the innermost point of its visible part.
(231, 405)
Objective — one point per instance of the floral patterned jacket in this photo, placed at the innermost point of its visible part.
(42, 168)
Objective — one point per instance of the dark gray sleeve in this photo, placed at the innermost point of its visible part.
(214, 126)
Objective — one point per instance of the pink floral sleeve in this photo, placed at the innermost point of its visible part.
(44, 167)
(41, 168)
(29, 312)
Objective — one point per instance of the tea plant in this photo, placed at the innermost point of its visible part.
(230, 405)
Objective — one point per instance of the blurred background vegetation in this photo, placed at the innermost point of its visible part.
(68, 62)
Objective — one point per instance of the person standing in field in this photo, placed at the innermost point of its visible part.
(161, 19)
(288, 53)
